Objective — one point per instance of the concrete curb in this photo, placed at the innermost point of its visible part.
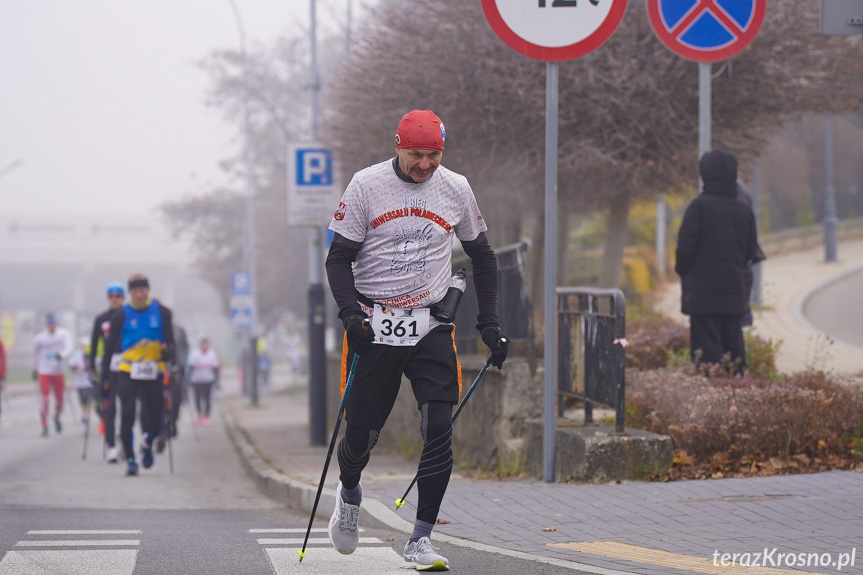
(301, 496)
(800, 302)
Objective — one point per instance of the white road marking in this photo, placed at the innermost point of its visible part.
(312, 541)
(79, 543)
(88, 562)
(290, 530)
(365, 560)
(88, 532)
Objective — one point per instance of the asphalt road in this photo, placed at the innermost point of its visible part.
(60, 514)
(836, 309)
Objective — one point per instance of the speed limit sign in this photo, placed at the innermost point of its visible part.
(554, 30)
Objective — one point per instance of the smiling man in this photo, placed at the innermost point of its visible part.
(391, 260)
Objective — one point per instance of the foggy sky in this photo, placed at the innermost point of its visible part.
(104, 102)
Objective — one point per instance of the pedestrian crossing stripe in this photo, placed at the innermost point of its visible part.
(80, 543)
(650, 556)
(79, 562)
(293, 530)
(312, 541)
(87, 532)
(326, 561)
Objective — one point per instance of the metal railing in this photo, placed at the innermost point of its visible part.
(591, 325)
(513, 304)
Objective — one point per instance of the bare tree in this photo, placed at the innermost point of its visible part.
(628, 119)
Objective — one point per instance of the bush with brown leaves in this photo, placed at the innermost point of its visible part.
(652, 340)
(808, 415)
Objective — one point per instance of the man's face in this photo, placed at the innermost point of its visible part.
(419, 165)
(139, 295)
(115, 300)
(51, 327)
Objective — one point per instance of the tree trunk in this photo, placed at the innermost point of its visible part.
(615, 241)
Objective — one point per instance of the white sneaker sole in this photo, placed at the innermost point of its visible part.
(436, 566)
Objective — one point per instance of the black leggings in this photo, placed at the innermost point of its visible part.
(152, 406)
(203, 391)
(435, 463)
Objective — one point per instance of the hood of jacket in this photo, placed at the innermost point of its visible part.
(718, 170)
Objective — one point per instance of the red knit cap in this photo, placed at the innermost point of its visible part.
(420, 130)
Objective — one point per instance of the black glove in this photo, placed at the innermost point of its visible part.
(105, 390)
(360, 339)
(497, 342)
(35, 375)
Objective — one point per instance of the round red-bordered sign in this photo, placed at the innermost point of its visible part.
(706, 30)
(519, 24)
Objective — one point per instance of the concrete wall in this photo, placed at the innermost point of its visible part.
(489, 430)
(799, 239)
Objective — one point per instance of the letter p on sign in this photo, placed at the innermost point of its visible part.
(314, 167)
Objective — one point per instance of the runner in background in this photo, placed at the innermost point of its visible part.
(203, 372)
(81, 378)
(50, 347)
(107, 396)
(265, 363)
(142, 332)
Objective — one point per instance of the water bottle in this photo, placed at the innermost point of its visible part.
(449, 304)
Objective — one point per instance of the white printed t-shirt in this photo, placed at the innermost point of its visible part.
(203, 365)
(407, 233)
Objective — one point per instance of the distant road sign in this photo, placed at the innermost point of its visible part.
(241, 284)
(241, 300)
(706, 30)
(554, 30)
(313, 192)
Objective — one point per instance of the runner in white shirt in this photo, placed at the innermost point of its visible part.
(50, 347)
(203, 372)
(391, 259)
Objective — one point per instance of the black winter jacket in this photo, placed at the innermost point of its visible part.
(716, 243)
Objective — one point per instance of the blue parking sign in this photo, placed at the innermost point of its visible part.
(314, 167)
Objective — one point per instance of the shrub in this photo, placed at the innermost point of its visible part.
(652, 339)
(807, 414)
(761, 356)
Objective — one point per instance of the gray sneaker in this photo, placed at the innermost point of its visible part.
(423, 557)
(344, 532)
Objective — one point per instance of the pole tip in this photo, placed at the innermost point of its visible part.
(302, 554)
(399, 503)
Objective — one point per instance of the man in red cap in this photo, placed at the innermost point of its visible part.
(391, 261)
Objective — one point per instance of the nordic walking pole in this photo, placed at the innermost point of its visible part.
(401, 501)
(302, 552)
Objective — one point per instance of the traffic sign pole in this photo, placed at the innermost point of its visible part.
(705, 96)
(549, 425)
(552, 32)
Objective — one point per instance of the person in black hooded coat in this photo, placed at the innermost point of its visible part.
(716, 243)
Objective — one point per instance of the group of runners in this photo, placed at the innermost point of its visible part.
(136, 361)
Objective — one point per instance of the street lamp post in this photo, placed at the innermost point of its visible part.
(249, 248)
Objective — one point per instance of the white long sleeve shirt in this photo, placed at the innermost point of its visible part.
(50, 349)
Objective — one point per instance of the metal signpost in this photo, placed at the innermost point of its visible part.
(313, 192)
(243, 319)
(838, 18)
(552, 31)
(705, 31)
